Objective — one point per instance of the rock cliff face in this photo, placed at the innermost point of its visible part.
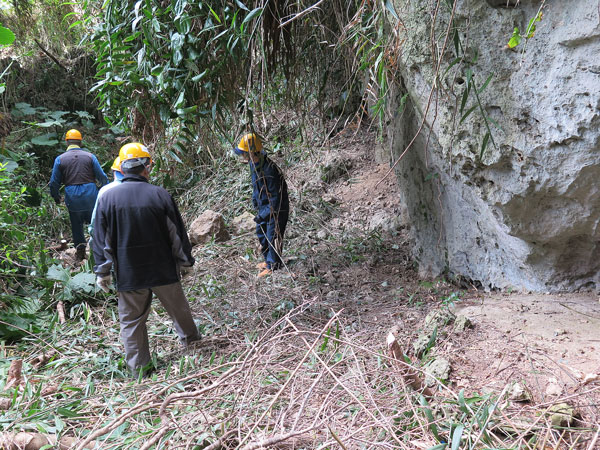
(526, 213)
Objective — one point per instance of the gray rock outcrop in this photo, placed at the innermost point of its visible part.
(526, 213)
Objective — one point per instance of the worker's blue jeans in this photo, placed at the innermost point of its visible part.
(78, 219)
(270, 235)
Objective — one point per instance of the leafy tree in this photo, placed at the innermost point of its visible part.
(177, 72)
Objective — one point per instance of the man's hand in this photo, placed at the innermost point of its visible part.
(57, 200)
(104, 282)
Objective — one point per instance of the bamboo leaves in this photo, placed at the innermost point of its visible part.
(166, 61)
(254, 13)
(471, 90)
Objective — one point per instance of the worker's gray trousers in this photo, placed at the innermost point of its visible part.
(134, 307)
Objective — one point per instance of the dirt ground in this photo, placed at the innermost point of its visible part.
(549, 341)
(546, 343)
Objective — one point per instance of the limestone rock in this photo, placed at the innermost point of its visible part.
(525, 214)
(384, 221)
(520, 393)
(208, 225)
(438, 369)
(562, 415)
(334, 168)
(330, 198)
(422, 342)
(462, 323)
(244, 223)
(439, 318)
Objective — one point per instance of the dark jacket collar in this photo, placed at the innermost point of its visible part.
(132, 177)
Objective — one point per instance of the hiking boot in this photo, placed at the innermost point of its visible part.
(265, 273)
(80, 253)
(262, 266)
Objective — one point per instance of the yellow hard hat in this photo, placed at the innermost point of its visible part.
(250, 143)
(116, 164)
(134, 151)
(73, 135)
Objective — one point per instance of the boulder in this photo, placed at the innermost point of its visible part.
(520, 393)
(385, 221)
(438, 369)
(207, 226)
(244, 223)
(561, 415)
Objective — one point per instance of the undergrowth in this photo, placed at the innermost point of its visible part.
(282, 361)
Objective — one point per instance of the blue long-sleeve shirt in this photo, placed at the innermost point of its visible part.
(78, 170)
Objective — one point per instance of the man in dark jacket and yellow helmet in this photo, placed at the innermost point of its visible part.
(139, 233)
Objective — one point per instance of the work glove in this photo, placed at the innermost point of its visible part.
(57, 200)
(257, 219)
(104, 282)
(183, 270)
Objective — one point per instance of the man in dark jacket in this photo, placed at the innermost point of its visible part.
(139, 233)
(270, 199)
(78, 170)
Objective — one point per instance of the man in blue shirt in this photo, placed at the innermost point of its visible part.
(78, 170)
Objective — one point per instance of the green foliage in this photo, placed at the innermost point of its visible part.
(23, 259)
(176, 63)
(20, 246)
(7, 37)
(375, 47)
(187, 78)
(41, 118)
(517, 37)
(41, 23)
(82, 285)
(28, 284)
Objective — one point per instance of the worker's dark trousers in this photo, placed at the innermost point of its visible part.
(134, 307)
(270, 235)
(78, 219)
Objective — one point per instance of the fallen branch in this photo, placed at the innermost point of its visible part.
(293, 374)
(592, 445)
(49, 55)
(311, 349)
(115, 423)
(408, 372)
(181, 395)
(276, 439)
(150, 442)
